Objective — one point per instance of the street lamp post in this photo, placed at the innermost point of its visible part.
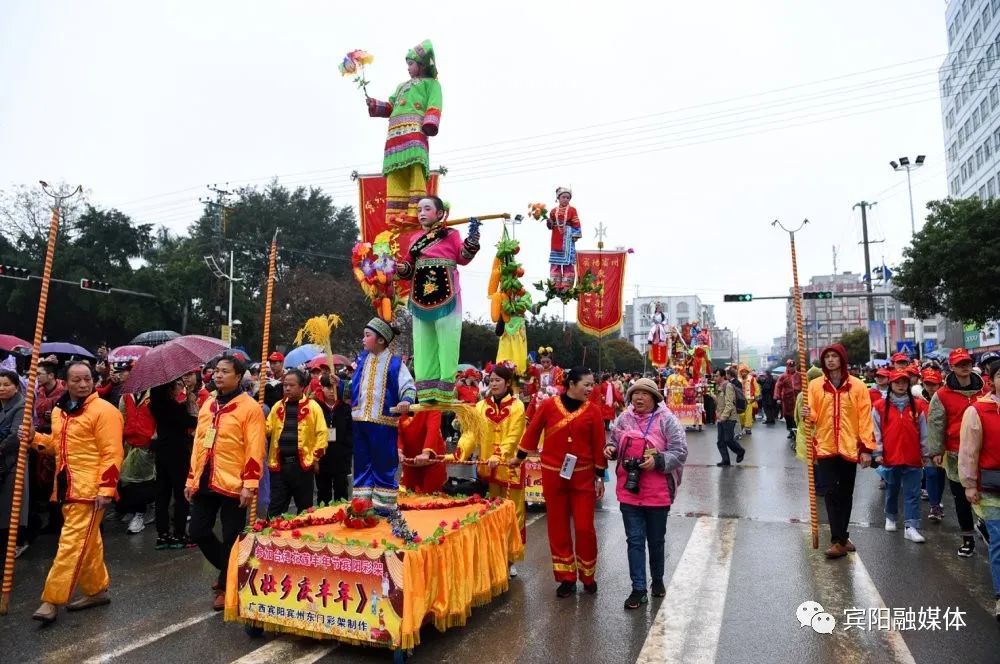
(213, 265)
(905, 165)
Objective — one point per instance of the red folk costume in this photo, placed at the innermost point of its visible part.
(607, 398)
(564, 223)
(420, 433)
(581, 433)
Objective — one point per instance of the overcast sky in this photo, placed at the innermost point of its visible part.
(686, 128)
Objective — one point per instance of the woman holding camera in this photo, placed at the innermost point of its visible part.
(651, 448)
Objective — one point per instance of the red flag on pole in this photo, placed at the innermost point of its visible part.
(601, 314)
(371, 208)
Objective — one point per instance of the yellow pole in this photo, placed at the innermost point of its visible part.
(803, 383)
(272, 261)
(29, 401)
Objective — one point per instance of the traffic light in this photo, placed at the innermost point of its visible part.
(14, 272)
(737, 297)
(818, 295)
(94, 285)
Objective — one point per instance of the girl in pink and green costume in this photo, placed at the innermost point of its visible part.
(414, 112)
(436, 299)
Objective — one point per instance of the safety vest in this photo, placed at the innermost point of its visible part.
(901, 434)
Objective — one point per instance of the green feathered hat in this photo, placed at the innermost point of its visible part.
(423, 55)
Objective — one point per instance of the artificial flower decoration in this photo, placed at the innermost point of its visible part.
(374, 266)
(353, 64)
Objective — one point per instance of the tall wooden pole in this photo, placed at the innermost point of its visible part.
(803, 382)
(29, 401)
(271, 266)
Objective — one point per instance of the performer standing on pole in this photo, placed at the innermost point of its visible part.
(839, 407)
(86, 441)
(414, 112)
(564, 223)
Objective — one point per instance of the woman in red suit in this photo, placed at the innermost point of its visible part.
(573, 467)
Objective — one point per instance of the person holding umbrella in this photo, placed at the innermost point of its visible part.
(226, 466)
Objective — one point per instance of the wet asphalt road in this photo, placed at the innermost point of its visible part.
(739, 562)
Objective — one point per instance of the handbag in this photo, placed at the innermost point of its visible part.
(989, 479)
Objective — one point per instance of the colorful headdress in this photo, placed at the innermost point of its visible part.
(544, 351)
(564, 190)
(423, 55)
(381, 328)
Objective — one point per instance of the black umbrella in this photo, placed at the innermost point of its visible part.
(154, 338)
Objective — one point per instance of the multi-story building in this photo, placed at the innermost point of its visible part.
(678, 309)
(779, 346)
(970, 98)
(826, 320)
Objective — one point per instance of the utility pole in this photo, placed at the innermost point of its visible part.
(865, 206)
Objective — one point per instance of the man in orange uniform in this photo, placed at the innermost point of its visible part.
(420, 439)
(839, 407)
(86, 440)
(226, 464)
(573, 467)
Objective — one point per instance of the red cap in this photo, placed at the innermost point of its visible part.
(958, 356)
(900, 357)
(275, 357)
(896, 374)
(883, 371)
(932, 376)
(912, 370)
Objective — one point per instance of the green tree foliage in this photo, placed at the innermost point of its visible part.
(952, 267)
(856, 343)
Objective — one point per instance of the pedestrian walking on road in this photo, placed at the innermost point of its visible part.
(934, 476)
(840, 410)
(226, 463)
(751, 391)
(900, 422)
(769, 403)
(651, 447)
(979, 468)
(175, 411)
(786, 391)
(297, 430)
(11, 414)
(727, 416)
(86, 440)
(944, 420)
(801, 443)
(573, 466)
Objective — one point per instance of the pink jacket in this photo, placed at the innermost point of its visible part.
(631, 436)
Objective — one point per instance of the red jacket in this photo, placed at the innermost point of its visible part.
(989, 418)
(418, 433)
(954, 403)
(44, 403)
(140, 426)
(901, 433)
(580, 433)
(599, 397)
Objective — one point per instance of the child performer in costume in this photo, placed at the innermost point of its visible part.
(436, 299)
(658, 339)
(506, 413)
(380, 383)
(573, 466)
(420, 439)
(546, 380)
(414, 113)
(751, 390)
(565, 226)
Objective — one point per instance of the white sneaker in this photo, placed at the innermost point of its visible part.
(890, 526)
(513, 572)
(128, 517)
(914, 535)
(136, 525)
(150, 516)
(19, 549)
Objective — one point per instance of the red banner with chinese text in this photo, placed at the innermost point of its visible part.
(371, 208)
(601, 314)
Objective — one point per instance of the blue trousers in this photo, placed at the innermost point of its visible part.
(934, 478)
(644, 525)
(993, 528)
(375, 463)
(907, 479)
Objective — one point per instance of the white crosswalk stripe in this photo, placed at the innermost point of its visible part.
(687, 628)
(289, 651)
(149, 638)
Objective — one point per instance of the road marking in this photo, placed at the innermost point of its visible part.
(288, 651)
(688, 623)
(150, 638)
(869, 596)
(533, 519)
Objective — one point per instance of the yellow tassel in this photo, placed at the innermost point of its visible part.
(471, 423)
(319, 330)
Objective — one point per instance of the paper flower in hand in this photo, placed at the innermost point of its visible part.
(354, 60)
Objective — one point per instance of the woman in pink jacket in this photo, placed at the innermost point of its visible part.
(651, 448)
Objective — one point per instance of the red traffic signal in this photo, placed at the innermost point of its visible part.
(14, 272)
(94, 285)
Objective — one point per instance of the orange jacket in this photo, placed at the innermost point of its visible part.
(842, 418)
(87, 444)
(237, 451)
(311, 428)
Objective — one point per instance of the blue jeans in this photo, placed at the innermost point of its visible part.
(908, 478)
(642, 525)
(993, 528)
(934, 478)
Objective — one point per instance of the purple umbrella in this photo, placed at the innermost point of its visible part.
(65, 348)
(170, 361)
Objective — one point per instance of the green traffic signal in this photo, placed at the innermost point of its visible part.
(818, 295)
(737, 297)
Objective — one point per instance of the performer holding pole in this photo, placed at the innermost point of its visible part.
(436, 299)
(29, 401)
(414, 112)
